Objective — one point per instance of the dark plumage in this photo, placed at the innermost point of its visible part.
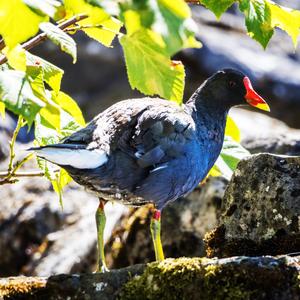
(153, 150)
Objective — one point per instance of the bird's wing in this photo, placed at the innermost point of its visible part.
(111, 130)
(161, 134)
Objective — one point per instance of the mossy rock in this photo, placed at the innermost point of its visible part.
(183, 278)
(201, 278)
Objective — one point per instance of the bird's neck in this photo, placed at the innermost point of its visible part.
(206, 111)
(210, 120)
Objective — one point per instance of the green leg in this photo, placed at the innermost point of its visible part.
(100, 222)
(155, 233)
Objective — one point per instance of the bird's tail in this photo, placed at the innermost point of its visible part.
(74, 155)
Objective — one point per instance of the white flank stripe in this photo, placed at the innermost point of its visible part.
(80, 159)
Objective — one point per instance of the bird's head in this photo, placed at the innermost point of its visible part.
(230, 88)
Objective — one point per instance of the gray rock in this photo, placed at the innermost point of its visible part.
(260, 209)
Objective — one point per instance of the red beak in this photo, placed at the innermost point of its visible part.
(253, 98)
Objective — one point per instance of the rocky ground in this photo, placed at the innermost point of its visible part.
(246, 220)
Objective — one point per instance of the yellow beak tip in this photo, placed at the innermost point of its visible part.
(263, 106)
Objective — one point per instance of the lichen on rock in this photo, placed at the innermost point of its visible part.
(260, 209)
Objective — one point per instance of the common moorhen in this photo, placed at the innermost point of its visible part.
(151, 150)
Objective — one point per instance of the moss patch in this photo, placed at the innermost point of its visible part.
(200, 278)
(11, 287)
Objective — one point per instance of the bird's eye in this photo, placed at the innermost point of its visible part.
(232, 84)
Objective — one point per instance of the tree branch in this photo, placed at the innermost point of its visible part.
(192, 1)
(12, 144)
(42, 36)
(80, 27)
(23, 174)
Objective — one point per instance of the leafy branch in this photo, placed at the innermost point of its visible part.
(13, 168)
(43, 36)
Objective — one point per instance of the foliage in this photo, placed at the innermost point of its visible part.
(153, 32)
(261, 17)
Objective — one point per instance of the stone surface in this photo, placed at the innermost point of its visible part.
(184, 278)
(260, 209)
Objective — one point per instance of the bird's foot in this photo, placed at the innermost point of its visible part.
(102, 269)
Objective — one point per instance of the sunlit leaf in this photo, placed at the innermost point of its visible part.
(170, 19)
(286, 19)
(36, 80)
(106, 31)
(51, 73)
(2, 109)
(60, 38)
(180, 27)
(258, 20)
(46, 7)
(18, 22)
(149, 69)
(98, 18)
(218, 7)
(18, 96)
(67, 104)
(16, 57)
(232, 130)
(61, 180)
(232, 152)
(51, 117)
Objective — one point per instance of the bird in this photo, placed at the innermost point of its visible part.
(151, 150)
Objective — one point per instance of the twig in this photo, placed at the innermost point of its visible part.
(2, 44)
(10, 178)
(42, 36)
(23, 174)
(192, 1)
(80, 27)
(12, 144)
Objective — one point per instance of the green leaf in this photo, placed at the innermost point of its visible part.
(232, 152)
(18, 96)
(232, 130)
(36, 80)
(2, 109)
(149, 68)
(170, 19)
(51, 116)
(180, 27)
(105, 27)
(60, 38)
(18, 22)
(16, 57)
(106, 31)
(67, 104)
(45, 134)
(51, 73)
(58, 177)
(61, 180)
(44, 7)
(218, 7)
(258, 20)
(286, 19)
